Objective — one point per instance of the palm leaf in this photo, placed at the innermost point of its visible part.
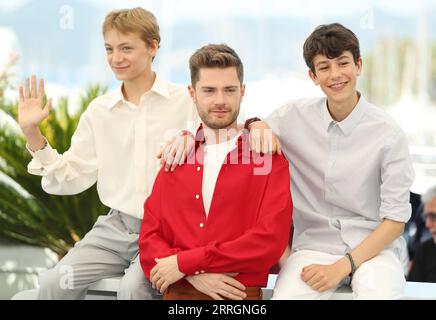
(28, 214)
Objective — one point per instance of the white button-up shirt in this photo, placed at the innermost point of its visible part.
(115, 144)
(346, 177)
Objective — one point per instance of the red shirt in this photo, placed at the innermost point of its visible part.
(249, 220)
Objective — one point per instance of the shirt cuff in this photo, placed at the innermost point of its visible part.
(192, 261)
(398, 212)
(45, 156)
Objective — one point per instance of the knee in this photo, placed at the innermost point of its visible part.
(296, 289)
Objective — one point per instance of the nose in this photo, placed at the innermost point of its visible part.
(117, 56)
(219, 98)
(334, 72)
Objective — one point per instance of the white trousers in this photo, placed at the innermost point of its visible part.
(381, 277)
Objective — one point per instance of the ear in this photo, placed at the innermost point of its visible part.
(313, 77)
(359, 66)
(153, 47)
(242, 90)
(192, 93)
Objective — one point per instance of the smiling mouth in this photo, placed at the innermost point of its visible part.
(338, 85)
(120, 68)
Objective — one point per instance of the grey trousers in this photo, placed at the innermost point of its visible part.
(109, 249)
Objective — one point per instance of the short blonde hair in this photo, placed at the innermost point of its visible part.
(137, 20)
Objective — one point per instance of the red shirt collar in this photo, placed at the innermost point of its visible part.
(200, 139)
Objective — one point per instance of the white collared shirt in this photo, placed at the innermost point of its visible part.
(115, 144)
(346, 177)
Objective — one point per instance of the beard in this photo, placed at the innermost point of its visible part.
(218, 123)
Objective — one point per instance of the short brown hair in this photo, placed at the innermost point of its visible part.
(215, 56)
(137, 20)
(330, 40)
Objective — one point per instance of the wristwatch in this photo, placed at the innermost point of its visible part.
(353, 265)
(250, 121)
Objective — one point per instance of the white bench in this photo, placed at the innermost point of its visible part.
(106, 289)
(413, 290)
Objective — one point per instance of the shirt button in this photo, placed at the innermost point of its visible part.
(202, 271)
(201, 225)
(198, 168)
(197, 196)
(196, 272)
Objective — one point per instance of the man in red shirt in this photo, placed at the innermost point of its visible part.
(213, 228)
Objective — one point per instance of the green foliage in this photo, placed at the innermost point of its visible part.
(27, 213)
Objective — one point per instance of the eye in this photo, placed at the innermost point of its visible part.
(127, 48)
(343, 63)
(323, 68)
(208, 90)
(108, 50)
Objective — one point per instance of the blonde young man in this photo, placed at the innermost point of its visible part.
(115, 146)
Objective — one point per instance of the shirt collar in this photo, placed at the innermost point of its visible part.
(350, 122)
(116, 97)
(160, 87)
(327, 118)
(200, 139)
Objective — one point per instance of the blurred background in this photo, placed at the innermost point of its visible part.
(61, 41)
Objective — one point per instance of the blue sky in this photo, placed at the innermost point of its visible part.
(257, 29)
(268, 35)
(200, 8)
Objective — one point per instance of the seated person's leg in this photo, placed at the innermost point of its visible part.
(289, 284)
(135, 286)
(100, 254)
(381, 277)
(81, 267)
